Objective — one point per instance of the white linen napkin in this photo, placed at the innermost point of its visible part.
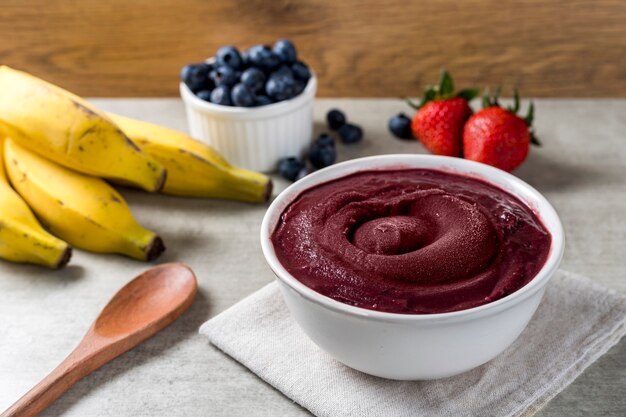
(577, 321)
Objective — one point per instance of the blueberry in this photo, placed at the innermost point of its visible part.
(209, 84)
(280, 87)
(241, 96)
(350, 133)
(324, 139)
(195, 75)
(285, 51)
(229, 55)
(245, 59)
(300, 86)
(289, 168)
(400, 126)
(261, 56)
(253, 78)
(224, 75)
(301, 71)
(204, 95)
(221, 95)
(322, 156)
(262, 101)
(335, 119)
(283, 70)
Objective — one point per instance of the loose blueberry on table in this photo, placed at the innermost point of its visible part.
(322, 152)
(259, 76)
(324, 139)
(400, 126)
(289, 168)
(335, 119)
(350, 133)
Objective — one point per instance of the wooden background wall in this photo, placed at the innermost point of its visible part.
(552, 48)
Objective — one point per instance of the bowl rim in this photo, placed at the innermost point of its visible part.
(395, 161)
(269, 109)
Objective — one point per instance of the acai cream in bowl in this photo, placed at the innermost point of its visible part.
(412, 266)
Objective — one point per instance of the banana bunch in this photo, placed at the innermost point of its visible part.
(57, 150)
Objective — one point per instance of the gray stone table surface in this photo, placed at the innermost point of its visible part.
(581, 169)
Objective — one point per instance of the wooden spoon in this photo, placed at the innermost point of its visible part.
(145, 305)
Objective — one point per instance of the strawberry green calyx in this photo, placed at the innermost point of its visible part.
(492, 101)
(442, 91)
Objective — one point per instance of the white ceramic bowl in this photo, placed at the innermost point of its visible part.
(254, 137)
(411, 346)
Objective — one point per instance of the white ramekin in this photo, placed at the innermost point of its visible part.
(412, 346)
(254, 137)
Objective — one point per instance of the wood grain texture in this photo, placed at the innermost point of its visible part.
(359, 48)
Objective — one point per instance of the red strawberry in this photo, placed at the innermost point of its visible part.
(497, 136)
(439, 121)
(439, 125)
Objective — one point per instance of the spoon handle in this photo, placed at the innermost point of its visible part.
(86, 358)
(143, 307)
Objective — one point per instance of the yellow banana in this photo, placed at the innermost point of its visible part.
(193, 168)
(85, 211)
(22, 239)
(66, 129)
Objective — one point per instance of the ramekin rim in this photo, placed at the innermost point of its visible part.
(270, 109)
(380, 162)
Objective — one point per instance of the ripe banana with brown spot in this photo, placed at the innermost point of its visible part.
(83, 210)
(66, 129)
(193, 168)
(22, 239)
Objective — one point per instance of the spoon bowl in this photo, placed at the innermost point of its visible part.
(149, 297)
